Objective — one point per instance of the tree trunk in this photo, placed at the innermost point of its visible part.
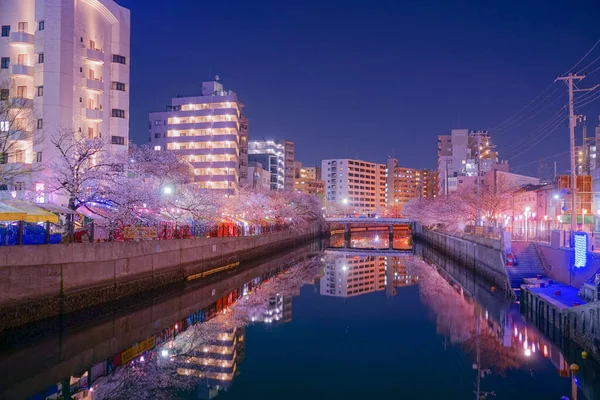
(71, 221)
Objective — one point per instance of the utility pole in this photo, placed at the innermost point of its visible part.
(478, 179)
(585, 169)
(569, 81)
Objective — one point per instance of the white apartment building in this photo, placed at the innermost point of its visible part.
(463, 153)
(359, 184)
(210, 132)
(276, 156)
(68, 61)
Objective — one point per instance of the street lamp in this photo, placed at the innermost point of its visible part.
(168, 190)
(527, 209)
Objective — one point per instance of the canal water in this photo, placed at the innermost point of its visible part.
(320, 322)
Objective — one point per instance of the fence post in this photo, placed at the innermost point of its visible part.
(20, 233)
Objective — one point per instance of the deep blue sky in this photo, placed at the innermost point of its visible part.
(368, 79)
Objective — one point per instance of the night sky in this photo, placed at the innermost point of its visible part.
(371, 79)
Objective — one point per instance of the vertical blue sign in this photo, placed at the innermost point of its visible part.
(580, 249)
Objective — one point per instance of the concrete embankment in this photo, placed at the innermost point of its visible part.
(37, 282)
(483, 256)
(82, 340)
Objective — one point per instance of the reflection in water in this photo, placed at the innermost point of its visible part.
(374, 238)
(205, 356)
(471, 332)
(352, 275)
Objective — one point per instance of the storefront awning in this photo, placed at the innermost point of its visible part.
(8, 213)
(33, 213)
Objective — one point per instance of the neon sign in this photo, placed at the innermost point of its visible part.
(580, 249)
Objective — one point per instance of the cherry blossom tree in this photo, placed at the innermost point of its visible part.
(157, 376)
(17, 135)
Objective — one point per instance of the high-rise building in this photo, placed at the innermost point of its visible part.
(276, 156)
(463, 153)
(68, 63)
(405, 184)
(210, 132)
(356, 183)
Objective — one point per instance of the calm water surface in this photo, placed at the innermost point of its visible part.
(310, 324)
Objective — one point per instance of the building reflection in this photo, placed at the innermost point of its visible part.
(353, 275)
(215, 363)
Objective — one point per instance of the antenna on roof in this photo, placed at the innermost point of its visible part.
(217, 78)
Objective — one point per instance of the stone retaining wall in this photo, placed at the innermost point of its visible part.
(483, 257)
(47, 280)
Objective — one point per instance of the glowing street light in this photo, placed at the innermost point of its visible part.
(168, 190)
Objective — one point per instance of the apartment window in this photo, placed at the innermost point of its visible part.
(118, 86)
(41, 25)
(40, 123)
(3, 186)
(157, 123)
(157, 135)
(19, 185)
(92, 45)
(118, 140)
(38, 156)
(157, 148)
(5, 30)
(20, 156)
(21, 123)
(40, 91)
(4, 94)
(118, 113)
(41, 58)
(22, 91)
(4, 126)
(119, 59)
(90, 133)
(22, 59)
(5, 62)
(22, 26)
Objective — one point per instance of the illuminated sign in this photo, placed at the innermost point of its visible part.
(580, 249)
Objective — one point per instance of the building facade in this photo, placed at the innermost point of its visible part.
(276, 156)
(258, 177)
(210, 132)
(357, 184)
(463, 153)
(308, 180)
(404, 184)
(68, 63)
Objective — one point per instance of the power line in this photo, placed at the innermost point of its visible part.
(582, 58)
(589, 100)
(518, 123)
(521, 110)
(510, 119)
(542, 138)
(545, 158)
(532, 135)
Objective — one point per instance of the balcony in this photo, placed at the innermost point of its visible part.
(93, 114)
(21, 102)
(21, 39)
(94, 85)
(95, 56)
(21, 70)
